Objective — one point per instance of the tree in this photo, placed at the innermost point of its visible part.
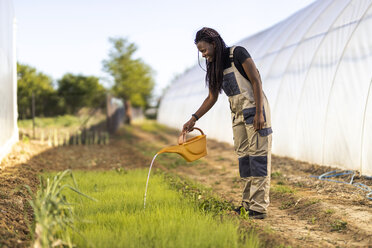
(133, 79)
(80, 91)
(30, 81)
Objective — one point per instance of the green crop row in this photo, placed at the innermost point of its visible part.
(118, 218)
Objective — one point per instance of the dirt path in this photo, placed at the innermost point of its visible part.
(304, 211)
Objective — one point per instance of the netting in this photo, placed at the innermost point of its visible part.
(316, 68)
(8, 79)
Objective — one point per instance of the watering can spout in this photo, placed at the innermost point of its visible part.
(191, 149)
(170, 149)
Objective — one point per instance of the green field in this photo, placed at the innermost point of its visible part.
(118, 218)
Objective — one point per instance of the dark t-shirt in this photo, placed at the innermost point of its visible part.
(240, 55)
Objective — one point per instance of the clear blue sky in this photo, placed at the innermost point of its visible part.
(58, 37)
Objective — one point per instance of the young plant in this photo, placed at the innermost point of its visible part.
(53, 214)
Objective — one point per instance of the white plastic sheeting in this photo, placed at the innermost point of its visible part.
(316, 68)
(8, 79)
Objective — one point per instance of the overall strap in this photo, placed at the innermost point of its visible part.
(231, 56)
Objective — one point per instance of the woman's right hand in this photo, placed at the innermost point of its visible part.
(189, 125)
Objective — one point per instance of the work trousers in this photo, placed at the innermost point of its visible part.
(254, 152)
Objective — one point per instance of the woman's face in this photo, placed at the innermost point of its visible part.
(207, 50)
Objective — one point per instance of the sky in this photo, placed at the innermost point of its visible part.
(72, 36)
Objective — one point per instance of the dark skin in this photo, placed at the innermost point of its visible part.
(208, 50)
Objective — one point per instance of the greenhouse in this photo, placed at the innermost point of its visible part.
(8, 79)
(316, 73)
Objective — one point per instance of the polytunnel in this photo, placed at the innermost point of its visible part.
(316, 69)
(8, 79)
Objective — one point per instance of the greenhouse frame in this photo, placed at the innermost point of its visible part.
(8, 79)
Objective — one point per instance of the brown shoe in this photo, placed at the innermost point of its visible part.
(256, 215)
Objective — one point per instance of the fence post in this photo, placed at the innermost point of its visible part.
(33, 115)
(42, 137)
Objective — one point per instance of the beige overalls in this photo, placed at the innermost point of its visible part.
(252, 147)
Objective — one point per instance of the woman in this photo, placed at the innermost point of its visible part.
(232, 70)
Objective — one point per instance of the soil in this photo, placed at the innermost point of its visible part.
(304, 211)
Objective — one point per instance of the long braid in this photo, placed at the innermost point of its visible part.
(214, 75)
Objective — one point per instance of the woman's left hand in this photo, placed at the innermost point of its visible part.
(187, 127)
(258, 121)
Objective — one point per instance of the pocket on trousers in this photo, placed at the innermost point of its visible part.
(265, 131)
(259, 145)
(249, 114)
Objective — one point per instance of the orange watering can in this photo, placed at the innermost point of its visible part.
(191, 149)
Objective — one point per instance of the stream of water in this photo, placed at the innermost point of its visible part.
(147, 183)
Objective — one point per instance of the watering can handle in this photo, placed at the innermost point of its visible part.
(182, 137)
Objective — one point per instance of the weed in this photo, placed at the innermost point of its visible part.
(25, 139)
(314, 201)
(220, 158)
(3, 195)
(299, 184)
(244, 214)
(206, 203)
(280, 183)
(284, 246)
(236, 180)
(213, 205)
(53, 213)
(120, 170)
(268, 229)
(313, 220)
(282, 189)
(276, 174)
(329, 211)
(286, 204)
(311, 202)
(236, 186)
(338, 225)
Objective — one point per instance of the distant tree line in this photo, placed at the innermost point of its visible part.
(132, 81)
(72, 93)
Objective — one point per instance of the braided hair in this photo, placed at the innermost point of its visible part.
(214, 76)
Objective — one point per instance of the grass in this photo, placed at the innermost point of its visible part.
(52, 122)
(276, 174)
(282, 189)
(118, 219)
(151, 126)
(63, 122)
